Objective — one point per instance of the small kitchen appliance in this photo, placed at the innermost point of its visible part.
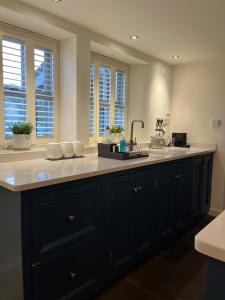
(158, 141)
(180, 139)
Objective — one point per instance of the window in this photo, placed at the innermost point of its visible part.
(14, 82)
(104, 99)
(28, 79)
(92, 100)
(120, 99)
(44, 91)
(108, 95)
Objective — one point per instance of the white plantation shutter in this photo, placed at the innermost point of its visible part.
(28, 89)
(120, 99)
(44, 92)
(105, 82)
(91, 100)
(107, 95)
(14, 82)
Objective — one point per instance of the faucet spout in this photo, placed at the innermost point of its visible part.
(131, 142)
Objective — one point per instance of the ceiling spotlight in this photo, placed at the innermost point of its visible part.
(57, 0)
(175, 56)
(134, 37)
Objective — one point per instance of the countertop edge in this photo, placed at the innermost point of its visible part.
(209, 250)
(208, 240)
(142, 163)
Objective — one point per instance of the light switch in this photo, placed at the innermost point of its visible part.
(216, 123)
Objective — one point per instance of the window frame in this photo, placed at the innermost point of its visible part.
(100, 60)
(31, 40)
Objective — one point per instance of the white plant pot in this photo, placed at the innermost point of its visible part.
(21, 141)
(116, 137)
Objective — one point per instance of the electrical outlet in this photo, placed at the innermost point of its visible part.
(216, 123)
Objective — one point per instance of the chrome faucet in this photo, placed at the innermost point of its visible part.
(131, 142)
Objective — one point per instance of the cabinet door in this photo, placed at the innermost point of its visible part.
(69, 275)
(145, 211)
(62, 217)
(166, 202)
(182, 184)
(121, 221)
(206, 182)
(196, 187)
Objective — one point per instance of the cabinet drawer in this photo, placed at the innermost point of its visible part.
(68, 275)
(64, 216)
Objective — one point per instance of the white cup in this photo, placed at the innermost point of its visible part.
(67, 149)
(78, 148)
(54, 151)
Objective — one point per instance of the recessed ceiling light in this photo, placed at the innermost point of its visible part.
(175, 56)
(57, 0)
(134, 37)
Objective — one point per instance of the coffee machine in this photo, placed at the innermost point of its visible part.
(180, 139)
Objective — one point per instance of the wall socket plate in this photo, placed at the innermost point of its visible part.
(216, 123)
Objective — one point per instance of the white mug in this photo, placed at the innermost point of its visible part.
(54, 151)
(78, 148)
(67, 149)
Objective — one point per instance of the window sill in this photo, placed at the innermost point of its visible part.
(12, 155)
(34, 153)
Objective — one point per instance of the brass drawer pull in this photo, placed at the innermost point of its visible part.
(72, 276)
(71, 219)
(137, 189)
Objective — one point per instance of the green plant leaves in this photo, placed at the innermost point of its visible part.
(22, 128)
(118, 129)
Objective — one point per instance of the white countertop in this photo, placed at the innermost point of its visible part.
(31, 174)
(211, 240)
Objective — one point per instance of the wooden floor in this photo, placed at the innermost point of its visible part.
(176, 273)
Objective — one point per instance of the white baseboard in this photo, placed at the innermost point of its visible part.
(214, 212)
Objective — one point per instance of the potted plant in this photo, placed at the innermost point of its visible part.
(116, 133)
(22, 135)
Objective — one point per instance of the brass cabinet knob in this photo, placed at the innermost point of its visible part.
(71, 219)
(72, 276)
(136, 189)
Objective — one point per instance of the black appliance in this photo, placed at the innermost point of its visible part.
(180, 139)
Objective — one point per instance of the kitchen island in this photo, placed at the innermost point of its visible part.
(211, 242)
(71, 227)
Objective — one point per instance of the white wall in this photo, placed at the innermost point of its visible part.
(149, 96)
(68, 82)
(74, 88)
(82, 101)
(198, 96)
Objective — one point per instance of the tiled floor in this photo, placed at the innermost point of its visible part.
(177, 273)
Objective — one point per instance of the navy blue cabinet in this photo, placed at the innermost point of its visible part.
(174, 199)
(207, 182)
(79, 236)
(196, 198)
(64, 240)
(64, 216)
(121, 211)
(68, 275)
(133, 217)
(166, 202)
(182, 189)
(145, 212)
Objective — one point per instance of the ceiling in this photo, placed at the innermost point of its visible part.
(192, 29)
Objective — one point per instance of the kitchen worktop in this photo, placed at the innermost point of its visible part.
(31, 174)
(210, 241)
